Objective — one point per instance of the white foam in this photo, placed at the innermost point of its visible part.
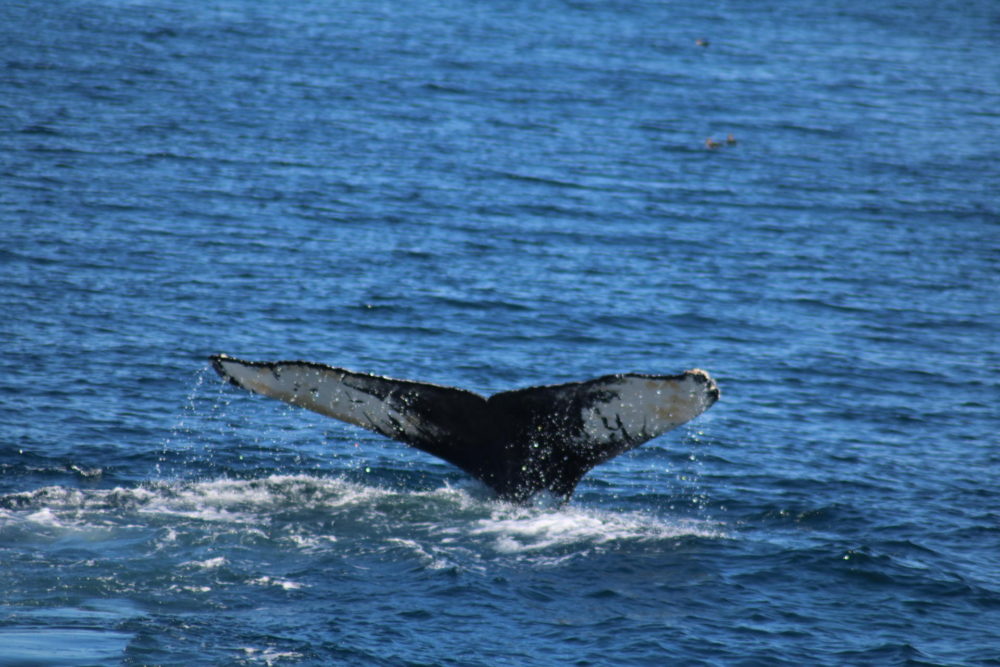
(528, 530)
(190, 589)
(250, 502)
(209, 564)
(431, 561)
(311, 542)
(44, 517)
(222, 500)
(440, 527)
(269, 656)
(281, 583)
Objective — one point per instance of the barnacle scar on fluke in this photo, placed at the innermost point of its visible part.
(517, 442)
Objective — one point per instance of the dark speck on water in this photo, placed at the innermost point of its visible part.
(495, 195)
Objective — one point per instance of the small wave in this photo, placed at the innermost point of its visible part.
(430, 557)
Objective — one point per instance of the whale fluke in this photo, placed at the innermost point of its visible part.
(517, 442)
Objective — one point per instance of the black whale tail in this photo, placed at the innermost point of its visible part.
(517, 442)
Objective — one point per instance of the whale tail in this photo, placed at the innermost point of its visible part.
(517, 442)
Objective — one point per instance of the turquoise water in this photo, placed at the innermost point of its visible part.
(495, 195)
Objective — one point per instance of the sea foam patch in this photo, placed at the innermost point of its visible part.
(531, 530)
(308, 514)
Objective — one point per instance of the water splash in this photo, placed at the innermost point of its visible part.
(303, 512)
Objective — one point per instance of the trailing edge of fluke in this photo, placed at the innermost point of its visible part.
(517, 442)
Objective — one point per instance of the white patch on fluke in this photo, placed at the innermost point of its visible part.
(321, 390)
(644, 407)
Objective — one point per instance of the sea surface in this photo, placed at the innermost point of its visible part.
(493, 194)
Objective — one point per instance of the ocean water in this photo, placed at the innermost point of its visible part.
(492, 195)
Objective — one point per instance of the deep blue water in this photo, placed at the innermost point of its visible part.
(493, 195)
